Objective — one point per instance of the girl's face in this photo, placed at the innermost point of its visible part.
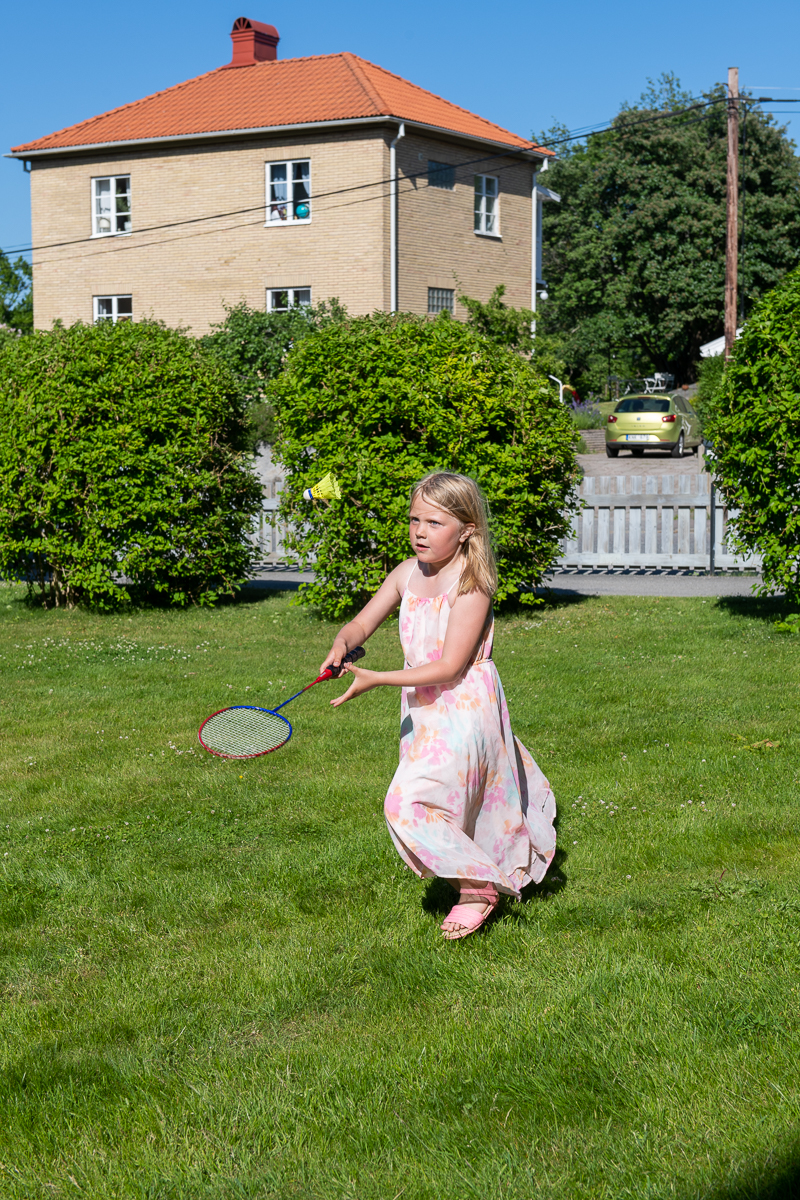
(435, 534)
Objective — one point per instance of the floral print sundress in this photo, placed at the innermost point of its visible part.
(467, 800)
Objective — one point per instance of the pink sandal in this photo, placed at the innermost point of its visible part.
(468, 917)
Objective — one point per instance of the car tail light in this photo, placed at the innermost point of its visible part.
(669, 418)
(611, 418)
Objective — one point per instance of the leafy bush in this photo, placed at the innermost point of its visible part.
(709, 379)
(118, 459)
(382, 400)
(253, 344)
(754, 424)
(499, 321)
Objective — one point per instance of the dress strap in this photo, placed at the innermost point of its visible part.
(408, 580)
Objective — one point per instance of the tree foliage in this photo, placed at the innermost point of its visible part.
(634, 255)
(253, 344)
(118, 459)
(381, 401)
(513, 328)
(754, 425)
(16, 294)
(500, 322)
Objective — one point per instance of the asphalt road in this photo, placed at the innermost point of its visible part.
(650, 583)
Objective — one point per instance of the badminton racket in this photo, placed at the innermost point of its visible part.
(244, 731)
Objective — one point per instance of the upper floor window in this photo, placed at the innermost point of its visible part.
(289, 191)
(441, 175)
(111, 205)
(486, 190)
(113, 308)
(440, 300)
(282, 299)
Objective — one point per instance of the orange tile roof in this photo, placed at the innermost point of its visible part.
(291, 91)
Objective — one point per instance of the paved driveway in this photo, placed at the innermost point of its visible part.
(649, 464)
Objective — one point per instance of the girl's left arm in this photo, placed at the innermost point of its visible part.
(464, 631)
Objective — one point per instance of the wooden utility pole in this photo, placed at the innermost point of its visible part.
(732, 249)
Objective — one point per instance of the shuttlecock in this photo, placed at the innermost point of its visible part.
(326, 489)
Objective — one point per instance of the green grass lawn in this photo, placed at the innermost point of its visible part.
(219, 981)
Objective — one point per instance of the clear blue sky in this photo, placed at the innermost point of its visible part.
(521, 64)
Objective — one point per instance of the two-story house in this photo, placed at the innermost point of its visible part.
(280, 182)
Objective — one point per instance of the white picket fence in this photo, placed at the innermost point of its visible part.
(651, 522)
(628, 522)
(267, 533)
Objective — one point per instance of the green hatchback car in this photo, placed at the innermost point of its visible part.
(653, 422)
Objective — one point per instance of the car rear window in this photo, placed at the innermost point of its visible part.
(642, 404)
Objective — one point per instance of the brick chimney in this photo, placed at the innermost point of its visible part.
(253, 43)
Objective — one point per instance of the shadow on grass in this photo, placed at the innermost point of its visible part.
(757, 608)
(778, 1182)
(440, 896)
(547, 598)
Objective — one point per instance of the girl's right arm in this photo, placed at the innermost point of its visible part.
(372, 615)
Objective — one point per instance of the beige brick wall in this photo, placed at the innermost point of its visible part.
(437, 243)
(186, 274)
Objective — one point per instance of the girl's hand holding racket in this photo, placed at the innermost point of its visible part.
(363, 681)
(338, 651)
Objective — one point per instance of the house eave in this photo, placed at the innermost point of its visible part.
(536, 155)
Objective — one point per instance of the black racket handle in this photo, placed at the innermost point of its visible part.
(351, 657)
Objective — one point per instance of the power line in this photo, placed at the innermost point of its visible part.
(607, 126)
(237, 212)
(119, 245)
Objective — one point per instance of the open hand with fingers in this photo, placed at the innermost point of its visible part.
(363, 681)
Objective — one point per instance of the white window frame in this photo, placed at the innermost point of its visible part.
(97, 217)
(292, 294)
(289, 203)
(484, 214)
(114, 315)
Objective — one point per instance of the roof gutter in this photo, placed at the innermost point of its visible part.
(179, 138)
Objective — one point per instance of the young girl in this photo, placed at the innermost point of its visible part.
(467, 802)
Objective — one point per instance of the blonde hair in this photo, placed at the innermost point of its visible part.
(463, 499)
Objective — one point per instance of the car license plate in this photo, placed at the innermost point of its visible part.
(637, 437)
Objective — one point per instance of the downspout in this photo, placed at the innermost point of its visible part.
(535, 210)
(401, 133)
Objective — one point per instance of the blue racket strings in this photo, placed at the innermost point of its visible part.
(244, 732)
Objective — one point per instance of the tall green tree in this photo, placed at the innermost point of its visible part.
(16, 294)
(634, 256)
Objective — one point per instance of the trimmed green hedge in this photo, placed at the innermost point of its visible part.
(118, 459)
(382, 400)
(754, 424)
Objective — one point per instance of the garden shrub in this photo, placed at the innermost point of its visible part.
(119, 458)
(382, 400)
(709, 382)
(754, 425)
(253, 345)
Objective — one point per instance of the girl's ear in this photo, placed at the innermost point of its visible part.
(466, 532)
